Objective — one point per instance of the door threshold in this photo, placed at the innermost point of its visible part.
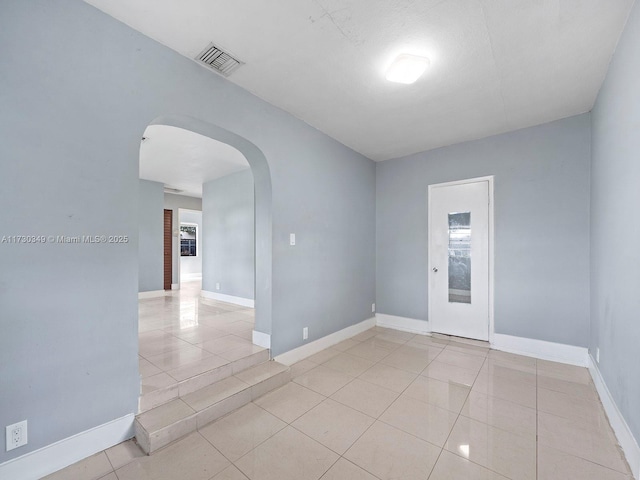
(468, 341)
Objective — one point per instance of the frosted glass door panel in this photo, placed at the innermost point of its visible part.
(459, 252)
(459, 259)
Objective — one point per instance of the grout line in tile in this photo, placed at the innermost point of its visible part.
(454, 423)
(380, 361)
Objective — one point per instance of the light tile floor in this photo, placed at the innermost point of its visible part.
(391, 405)
(182, 335)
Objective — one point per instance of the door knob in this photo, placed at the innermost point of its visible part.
(435, 269)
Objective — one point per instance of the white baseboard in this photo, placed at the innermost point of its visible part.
(175, 286)
(261, 339)
(221, 297)
(151, 294)
(68, 451)
(404, 324)
(555, 352)
(311, 348)
(626, 439)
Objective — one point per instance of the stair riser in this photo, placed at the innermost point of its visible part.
(204, 380)
(185, 387)
(157, 398)
(270, 384)
(164, 436)
(167, 435)
(220, 409)
(250, 361)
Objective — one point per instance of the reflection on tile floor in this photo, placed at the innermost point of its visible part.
(183, 335)
(390, 405)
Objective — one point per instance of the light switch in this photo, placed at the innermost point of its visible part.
(292, 239)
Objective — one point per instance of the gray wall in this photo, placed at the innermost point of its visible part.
(327, 280)
(541, 227)
(228, 243)
(615, 229)
(77, 91)
(175, 202)
(150, 242)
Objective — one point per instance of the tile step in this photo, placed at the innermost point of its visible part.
(178, 389)
(166, 423)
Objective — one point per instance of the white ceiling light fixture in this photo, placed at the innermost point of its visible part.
(407, 68)
(499, 42)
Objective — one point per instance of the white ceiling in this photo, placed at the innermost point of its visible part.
(496, 65)
(185, 160)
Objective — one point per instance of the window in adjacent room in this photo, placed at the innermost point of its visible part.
(188, 240)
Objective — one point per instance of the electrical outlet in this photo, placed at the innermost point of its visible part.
(305, 333)
(373, 308)
(16, 435)
(292, 239)
(217, 286)
(598, 355)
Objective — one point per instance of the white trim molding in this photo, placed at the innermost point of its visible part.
(68, 451)
(261, 339)
(404, 324)
(221, 297)
(175, 286)
(623, 433)
(151, 294)
(311, 348)
(555, 352)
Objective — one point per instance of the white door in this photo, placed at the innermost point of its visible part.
(459, 259)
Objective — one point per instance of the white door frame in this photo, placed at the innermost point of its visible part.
(488, 179)
(199, 244)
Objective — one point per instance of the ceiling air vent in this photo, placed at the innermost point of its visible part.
(218, 60)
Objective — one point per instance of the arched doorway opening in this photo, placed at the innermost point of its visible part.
(192, 344)
(263, 213)
(191, 337)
